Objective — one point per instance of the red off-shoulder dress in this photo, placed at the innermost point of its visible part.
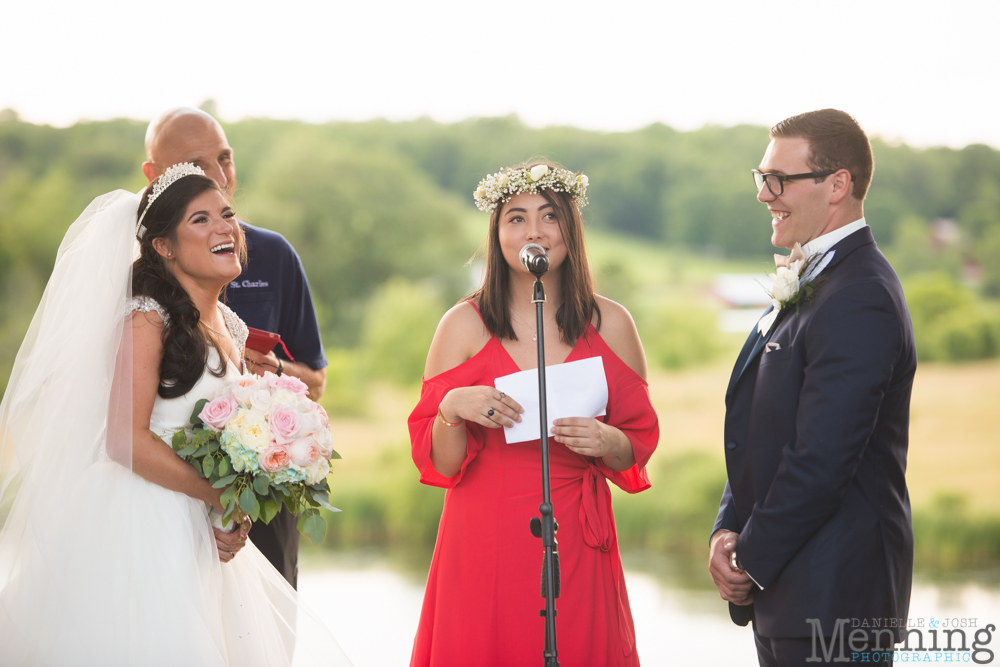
(483, 591)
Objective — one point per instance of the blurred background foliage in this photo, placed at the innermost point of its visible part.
(382, 216)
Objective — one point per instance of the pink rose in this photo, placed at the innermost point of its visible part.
(218, 411)
(292, 384)
(284, 423)
(304, 452)
(274, 458)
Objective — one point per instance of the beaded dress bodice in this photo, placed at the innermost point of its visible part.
(172, 414)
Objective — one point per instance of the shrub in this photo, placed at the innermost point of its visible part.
(679, 336)
(398, 327)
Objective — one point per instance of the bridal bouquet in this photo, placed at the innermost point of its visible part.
(266, 443)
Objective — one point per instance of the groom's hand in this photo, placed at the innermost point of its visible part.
(734, 585)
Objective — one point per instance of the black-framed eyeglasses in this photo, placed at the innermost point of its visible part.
(776, 182)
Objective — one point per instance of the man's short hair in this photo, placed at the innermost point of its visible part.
(836, 141)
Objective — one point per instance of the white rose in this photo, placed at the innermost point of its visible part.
(784, 284)
(503, 181)
(261, 400)
(317, 472)
(309, 422)
(538, 171)
(250, 430)
(583, 180)
(284, 397)
(324, 440)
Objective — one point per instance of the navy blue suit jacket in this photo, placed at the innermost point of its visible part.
(816, 432)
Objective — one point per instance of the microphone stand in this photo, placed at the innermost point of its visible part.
(546, 527)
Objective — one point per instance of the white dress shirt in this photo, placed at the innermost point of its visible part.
(821, 244)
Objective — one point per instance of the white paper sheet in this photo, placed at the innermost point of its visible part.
(575, 389)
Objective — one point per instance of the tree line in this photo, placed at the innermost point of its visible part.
(387, 206)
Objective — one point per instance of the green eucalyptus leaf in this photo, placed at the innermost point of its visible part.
(187, 450)
(314, 527)
(260, 484)
(224, 466)
(198, 407)
(323, 499)
(201, 437)
(255, 510)
(335, 455)
(223, 482)
(247, 500)
(268, 510)
(207, 465)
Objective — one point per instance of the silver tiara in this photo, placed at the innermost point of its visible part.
(164, 181)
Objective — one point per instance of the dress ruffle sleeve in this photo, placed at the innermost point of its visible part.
(421, 424)
(631, 411)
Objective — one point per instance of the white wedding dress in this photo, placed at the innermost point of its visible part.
(118, 570)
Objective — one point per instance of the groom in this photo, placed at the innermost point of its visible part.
(272, 293)
(814, 525)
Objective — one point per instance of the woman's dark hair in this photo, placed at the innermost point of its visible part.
(185, 340)
(579, 304)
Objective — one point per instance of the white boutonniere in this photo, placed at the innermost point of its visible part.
(787, 287)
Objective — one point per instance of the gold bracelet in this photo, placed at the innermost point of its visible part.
(445, 421)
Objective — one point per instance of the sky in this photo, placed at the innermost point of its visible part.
(927, 73)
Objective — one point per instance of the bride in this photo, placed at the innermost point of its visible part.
(108, 555)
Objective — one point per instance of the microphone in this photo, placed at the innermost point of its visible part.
(534, 259)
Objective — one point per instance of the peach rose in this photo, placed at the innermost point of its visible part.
(284, 423)
(274, 458)
(218, 412)
(244, 388)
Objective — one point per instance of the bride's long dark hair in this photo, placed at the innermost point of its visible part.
(185, 340)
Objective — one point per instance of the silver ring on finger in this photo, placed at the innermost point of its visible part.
(502, 395)
(490, 413)
(232, 554)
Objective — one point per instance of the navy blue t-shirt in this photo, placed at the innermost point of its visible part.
(272, 294)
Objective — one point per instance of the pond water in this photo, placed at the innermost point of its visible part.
(373, 610)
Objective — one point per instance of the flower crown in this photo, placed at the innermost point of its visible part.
(497, 189)
(162, 182)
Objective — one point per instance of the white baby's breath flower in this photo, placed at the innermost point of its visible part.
(498, 188)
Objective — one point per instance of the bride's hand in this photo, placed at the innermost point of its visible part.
(229, 544)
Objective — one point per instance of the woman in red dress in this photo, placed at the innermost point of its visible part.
(483, 591)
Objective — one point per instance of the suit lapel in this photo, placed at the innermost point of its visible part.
(751, 348)
(756, 342)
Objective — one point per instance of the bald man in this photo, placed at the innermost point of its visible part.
(272, 293)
